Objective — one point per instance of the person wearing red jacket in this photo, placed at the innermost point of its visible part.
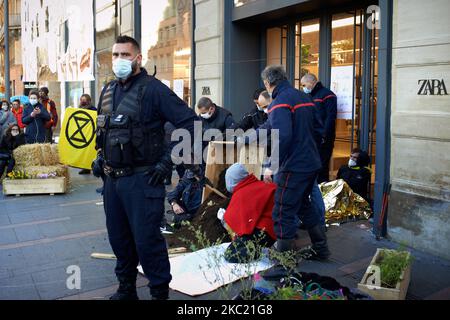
(50, 105)
(17, 111)
(249, 214)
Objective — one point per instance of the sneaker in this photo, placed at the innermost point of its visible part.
(167, 229)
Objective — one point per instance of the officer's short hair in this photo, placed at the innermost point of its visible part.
(127, 39)
(266, 95)
(205, 102)
(274, 75)
(257, 93)
(44, 90)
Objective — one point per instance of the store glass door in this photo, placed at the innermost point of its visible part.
(354, 70)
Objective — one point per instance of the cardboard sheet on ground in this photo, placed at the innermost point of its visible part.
(206, 270)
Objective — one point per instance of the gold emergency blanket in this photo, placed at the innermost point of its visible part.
(342, 204)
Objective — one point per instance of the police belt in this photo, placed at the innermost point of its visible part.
(124, 172)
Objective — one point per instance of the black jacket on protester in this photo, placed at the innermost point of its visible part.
(252, 120)
(358, 177)
(35, 132)
(10, 143)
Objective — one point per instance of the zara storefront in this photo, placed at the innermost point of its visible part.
(382, 63)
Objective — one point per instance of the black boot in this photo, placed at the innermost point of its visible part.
(126, 291)
(319, 248)
(160, 292)
(279, 270)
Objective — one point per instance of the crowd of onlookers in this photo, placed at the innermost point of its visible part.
(34, 121)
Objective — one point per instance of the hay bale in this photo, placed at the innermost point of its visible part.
(55, 153)
(28, 155)
(37, 154)
(47, 155)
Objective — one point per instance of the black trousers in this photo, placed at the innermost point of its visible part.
(134, 211)
(293, 203)
(325, 151)
(9, 164)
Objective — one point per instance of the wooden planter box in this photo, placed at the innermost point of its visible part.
(382, 293)
(34, 186)
(219, 158)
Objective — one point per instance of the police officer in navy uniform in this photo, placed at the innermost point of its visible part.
(130, 139)
(326, 103)
(292, 113)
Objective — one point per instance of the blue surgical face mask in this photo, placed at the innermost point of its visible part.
(306, 90)
(33, 102)
(122, 68)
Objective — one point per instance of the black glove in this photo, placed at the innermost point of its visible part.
(97, 166)
(160, 172)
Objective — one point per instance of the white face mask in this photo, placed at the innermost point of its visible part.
(4, 107)
(306, 90)
(33, 102)
(351, 163)
(14, 133)
(206, 115)
(122, 68)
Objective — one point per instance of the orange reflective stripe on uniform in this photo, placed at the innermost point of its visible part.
(278, 106)
(309, 104)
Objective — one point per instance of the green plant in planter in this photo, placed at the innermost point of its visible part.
(392, 263)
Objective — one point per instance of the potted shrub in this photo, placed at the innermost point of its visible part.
(388, 275)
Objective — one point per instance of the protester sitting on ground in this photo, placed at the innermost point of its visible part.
(6, 118)
(17, 111)
(12, 139)
(35, 117)
(186, 198)
(357, 174)
(249, 214)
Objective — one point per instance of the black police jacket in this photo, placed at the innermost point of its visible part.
(156, 106)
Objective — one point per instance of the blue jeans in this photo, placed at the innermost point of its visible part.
(318, 204)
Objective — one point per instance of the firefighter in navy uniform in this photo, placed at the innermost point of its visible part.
(326, 107)
(292, 113)
(135, 161)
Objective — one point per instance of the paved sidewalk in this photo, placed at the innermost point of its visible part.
(41, 236)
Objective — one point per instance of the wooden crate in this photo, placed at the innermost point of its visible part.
(34, 186)
(220, 156)
(382, 293)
